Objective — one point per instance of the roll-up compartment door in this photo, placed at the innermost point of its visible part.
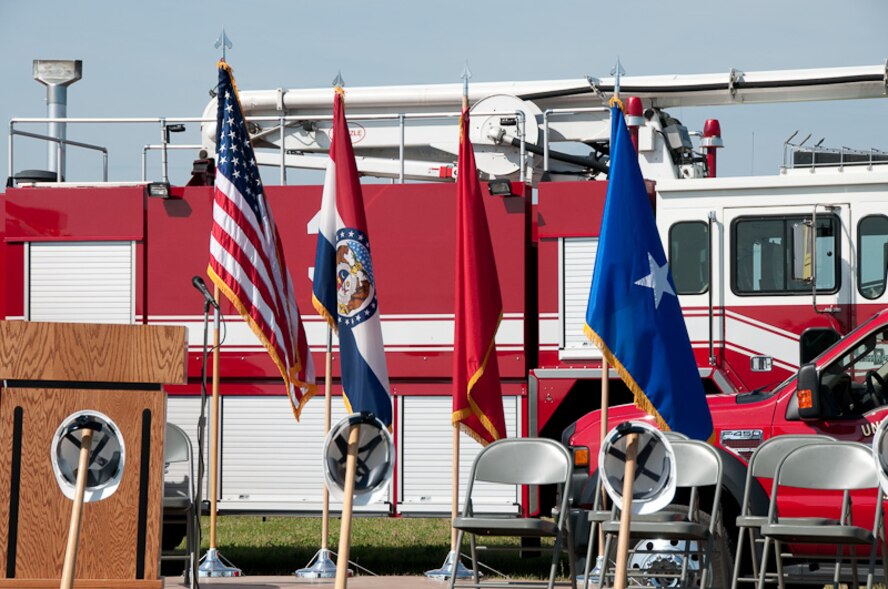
(427, 458)
(82, 282)
(577, 263)
(272, 462)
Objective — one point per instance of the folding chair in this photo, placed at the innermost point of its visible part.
(698, 465)
(837, 466)
(763, 464)
(598, 515)
(519, 461)
(178, 500)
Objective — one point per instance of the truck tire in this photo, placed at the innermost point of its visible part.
(669, 555)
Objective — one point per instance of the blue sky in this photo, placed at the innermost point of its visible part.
(157, 58)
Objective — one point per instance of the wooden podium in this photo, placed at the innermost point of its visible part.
(51, 372)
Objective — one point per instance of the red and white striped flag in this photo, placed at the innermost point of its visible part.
(246, 259)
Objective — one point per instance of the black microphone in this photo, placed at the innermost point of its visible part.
(200, 285)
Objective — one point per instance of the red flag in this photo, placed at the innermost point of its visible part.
(477, 397)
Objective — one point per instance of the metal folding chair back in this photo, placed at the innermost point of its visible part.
(698, 465)
(523, 461)
(836, 466)
(598, 515)
(763, 464)
(178, 500)
(519, 461)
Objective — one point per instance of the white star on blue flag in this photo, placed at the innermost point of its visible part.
(657, 280)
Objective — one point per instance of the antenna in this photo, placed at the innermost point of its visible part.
(808, 136)
(224, 42)
(790, 138)
(819, 143)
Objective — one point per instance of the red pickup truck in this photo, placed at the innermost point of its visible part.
(841, 393)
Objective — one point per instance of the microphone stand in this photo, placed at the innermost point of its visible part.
(201, 441)
(213, 564)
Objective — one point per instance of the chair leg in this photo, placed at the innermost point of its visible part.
(871, 569)
(778, 550)
(855, 578)
(455, 565)
(473, 544)
(556, 555)
(194, 520)
(602, 574)
(737, 558)
(593, 529)
(754, 542)
(705, 560)
(189, 546)
(686, 556)
(763, 569)
(571, 557)
(884, 560)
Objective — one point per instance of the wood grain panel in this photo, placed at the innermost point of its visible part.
(109, 527)
(82, 584)
(81, 352)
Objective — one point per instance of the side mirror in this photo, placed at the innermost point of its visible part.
(808, 392)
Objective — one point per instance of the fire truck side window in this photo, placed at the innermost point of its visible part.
(689, 256)
(762, 256)
(856, 380)
(872, 254)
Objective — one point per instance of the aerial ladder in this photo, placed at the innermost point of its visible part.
(529, 131)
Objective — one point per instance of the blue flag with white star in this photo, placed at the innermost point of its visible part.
(633, 314)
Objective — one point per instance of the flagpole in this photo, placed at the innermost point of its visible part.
(599, 569)
(605, 401)
(453, 561)
(321, 566)
(328, 383)
(454, 499)
(454, 504)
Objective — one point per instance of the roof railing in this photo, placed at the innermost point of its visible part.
(283, 122)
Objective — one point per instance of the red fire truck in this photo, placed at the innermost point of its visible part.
(755, 309)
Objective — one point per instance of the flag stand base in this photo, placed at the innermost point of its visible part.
(447, 568)
(213, 564)
(321, 566)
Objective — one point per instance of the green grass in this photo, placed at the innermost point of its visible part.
(385, 546)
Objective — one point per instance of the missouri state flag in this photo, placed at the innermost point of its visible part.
(344, 289)
(633, 314)
(477, 395)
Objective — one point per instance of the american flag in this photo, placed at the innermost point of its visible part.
(246, 259)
